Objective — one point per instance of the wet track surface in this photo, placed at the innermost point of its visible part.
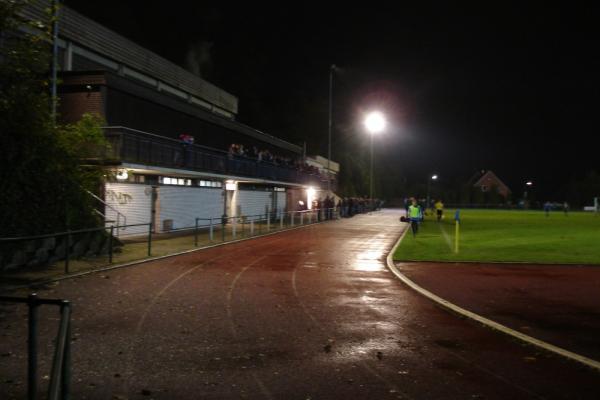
(559, 304)
(307, 314)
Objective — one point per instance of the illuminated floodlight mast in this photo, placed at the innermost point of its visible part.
(432, 178)
(375, 123)
(528, 184)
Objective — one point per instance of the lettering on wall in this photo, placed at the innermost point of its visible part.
(118, 197)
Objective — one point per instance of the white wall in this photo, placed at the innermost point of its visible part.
(181, 204)
(252, 202)
(184, 204)
(281, 202)
(131, 200)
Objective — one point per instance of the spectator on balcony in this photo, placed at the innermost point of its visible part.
(186, 141)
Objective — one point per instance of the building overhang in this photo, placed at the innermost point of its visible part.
(153, 170)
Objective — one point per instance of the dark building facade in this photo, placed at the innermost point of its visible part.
(148, 104)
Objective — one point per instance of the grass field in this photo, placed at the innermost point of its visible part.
(522, 236)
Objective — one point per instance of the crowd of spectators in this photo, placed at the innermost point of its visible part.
(253, 153)
(350, 206)
(346, 207)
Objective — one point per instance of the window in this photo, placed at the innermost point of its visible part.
(166, 180)
(214, 184)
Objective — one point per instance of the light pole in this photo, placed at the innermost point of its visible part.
(429, 179)
(375, 123)
(55, 6)
(528, 184)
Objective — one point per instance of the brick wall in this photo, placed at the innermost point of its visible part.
(74, 105)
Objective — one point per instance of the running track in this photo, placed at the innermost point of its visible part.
(311, 313)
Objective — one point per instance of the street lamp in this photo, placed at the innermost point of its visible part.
(528, 184)
(432, 178)
(375, 123)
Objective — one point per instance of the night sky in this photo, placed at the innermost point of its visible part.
(514, 89)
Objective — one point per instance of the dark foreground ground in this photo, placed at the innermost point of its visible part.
(307, 314)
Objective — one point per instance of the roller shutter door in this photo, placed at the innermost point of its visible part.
(182, 205)
(251, 202)
(131, 200)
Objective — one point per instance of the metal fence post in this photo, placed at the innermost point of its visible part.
(66, 370)
(292, 219)
(67, 252)
(60, 353)
(268, 222)
(223, 222)
(110, 244)
(150, 239)
(234, 227)
(196, 234)
(251, 227)
(281, 220)
(211, 229)
(32, 348)
(301, 218)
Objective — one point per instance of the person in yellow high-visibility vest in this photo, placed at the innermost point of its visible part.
(414, 215)
(439, 209)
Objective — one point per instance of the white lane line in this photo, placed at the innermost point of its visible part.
(151, 259)
(485, 321)
(138, 328)
(264, 390)
(446, 237)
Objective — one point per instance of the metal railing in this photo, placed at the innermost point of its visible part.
(65, 251)
(119, 214)
(60, 376)
(137, 242)
(251, 225)
(130, 145)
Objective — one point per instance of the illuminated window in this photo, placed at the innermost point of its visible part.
(214, 184)
(165, 180)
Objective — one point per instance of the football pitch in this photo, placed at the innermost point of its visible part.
(506, 236)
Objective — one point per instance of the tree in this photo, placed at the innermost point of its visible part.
(42, 181)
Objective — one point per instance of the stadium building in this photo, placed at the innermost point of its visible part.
(171, 133)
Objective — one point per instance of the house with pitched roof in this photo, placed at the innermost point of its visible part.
(488, 180)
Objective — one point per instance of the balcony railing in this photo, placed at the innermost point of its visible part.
(132, 146)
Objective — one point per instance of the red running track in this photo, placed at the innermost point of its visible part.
(307, 314)
(559, 304)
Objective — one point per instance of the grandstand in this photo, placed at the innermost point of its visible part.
(170, 133)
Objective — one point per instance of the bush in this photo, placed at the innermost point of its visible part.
(42, 179)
